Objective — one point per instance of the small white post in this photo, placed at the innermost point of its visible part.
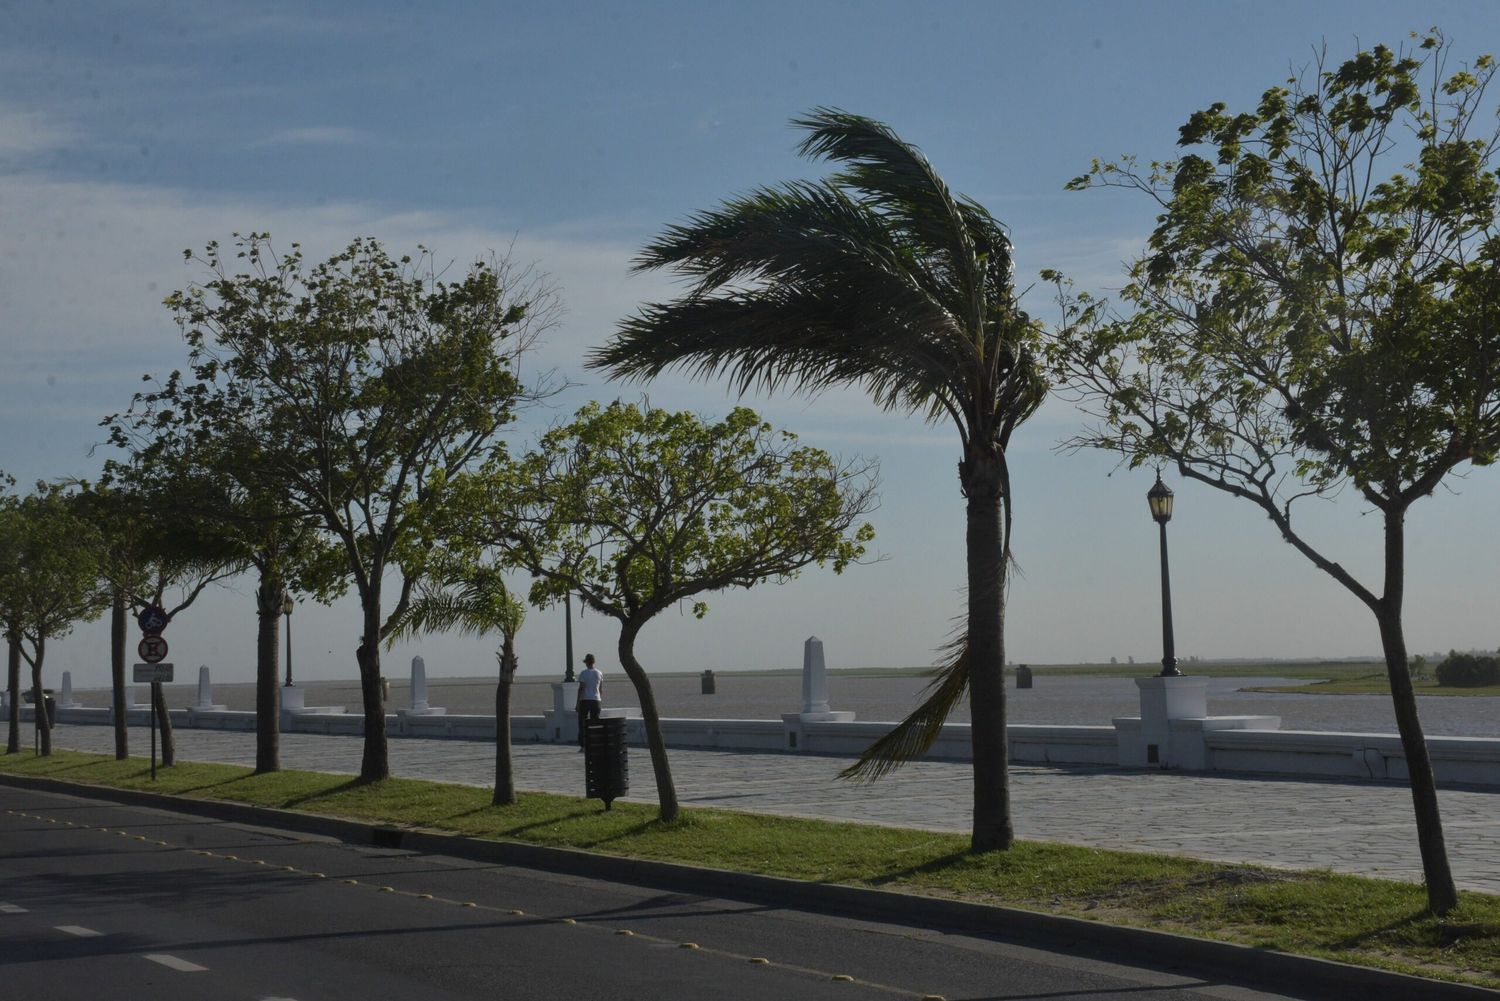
(205, 701)
(67, 701)
(814, 700)
(814, 677)
(418, 685)
(419, 706)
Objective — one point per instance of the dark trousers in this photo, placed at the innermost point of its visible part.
(587, 709)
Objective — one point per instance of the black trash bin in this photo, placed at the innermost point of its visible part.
(51, 711)
(1023, 677)
(606, 770)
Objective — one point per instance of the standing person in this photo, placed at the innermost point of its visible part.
(590, 694)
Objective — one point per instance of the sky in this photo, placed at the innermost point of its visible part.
(567, 134)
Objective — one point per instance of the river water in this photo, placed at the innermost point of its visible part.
(1054, 699)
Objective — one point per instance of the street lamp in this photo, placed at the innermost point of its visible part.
(1160, 499)
(286, 607)
(568, 633)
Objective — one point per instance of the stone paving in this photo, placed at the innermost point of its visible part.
(1355, 827)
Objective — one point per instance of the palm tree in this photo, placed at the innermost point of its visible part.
(475, 601)
(879, 277)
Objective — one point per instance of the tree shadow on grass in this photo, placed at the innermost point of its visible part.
(312, 797)
(544, 822)
(927, 868)
(37, 759)
(188, 790)
(1371, 937)
(629, 832)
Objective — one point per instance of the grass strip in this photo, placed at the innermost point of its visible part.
(1353, 919)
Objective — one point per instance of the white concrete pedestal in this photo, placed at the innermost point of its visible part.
(1172, 729)
(795, 725)
(1146, 741)
(562, 719)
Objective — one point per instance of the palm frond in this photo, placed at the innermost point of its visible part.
(894, 177)
(913, 737)
(474, 602)
(877, 276)
(778, 336)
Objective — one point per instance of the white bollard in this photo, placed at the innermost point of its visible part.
(814, 677)
(418, 685)
(814, 699)
(67, 701)
(419, 706)
(205, 701)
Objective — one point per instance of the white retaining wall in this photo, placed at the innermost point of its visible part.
(1214, 744)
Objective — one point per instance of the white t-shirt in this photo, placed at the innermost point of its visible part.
(589, 683)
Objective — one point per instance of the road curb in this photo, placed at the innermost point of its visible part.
(1245, 965)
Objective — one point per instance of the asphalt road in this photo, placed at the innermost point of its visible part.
(100, 902)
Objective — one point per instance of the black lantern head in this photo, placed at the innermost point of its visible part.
(1160, 499)
(286, 604)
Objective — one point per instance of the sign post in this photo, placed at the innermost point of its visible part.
(155, 673)
(153, 650)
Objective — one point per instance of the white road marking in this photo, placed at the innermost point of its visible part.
(173, 963)
(80, 931)
(12, 909)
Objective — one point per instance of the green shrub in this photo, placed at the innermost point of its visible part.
(1468, 670)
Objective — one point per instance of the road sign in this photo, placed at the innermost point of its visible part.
(153, 649)
(152, 620)
(153, 672)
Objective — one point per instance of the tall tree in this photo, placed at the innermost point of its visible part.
(149, 556)
(878, 277)
(358, 384)
(1309, 316)
(188, 452)
(54, 554)
(636, 509)
(472, 599)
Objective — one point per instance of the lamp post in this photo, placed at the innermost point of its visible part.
(568, 633)
(1160, 499)
(286, 607)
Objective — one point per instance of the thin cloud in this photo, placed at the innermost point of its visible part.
(317, 135)
(25, 133)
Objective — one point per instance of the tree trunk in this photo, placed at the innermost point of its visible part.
(505, 781)
(375, 764)
(268, 600)
(980, 474)
(666, 792)
(164, 724)
(1442, 894)
(119, 615)
(13, 687)
(39, 702)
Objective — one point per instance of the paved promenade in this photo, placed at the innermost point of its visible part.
(1364, 828)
